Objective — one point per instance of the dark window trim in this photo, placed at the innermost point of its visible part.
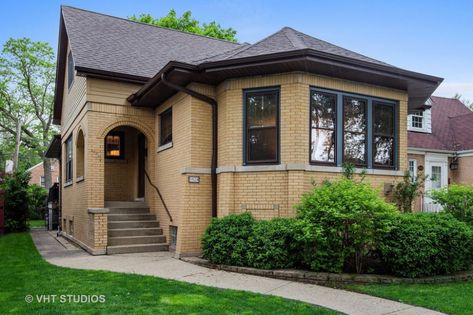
(70, 74)
(394, 136)
(164, 113)
(315, 162)
(370, 138)
(69, 168)
(262, 90)
(120, 134)
(344, 96)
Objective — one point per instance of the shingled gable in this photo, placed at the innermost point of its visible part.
(116, 48)
(452, 127)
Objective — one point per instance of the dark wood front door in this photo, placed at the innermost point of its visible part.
(141, 165)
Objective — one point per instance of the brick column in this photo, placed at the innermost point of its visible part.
(98, 230)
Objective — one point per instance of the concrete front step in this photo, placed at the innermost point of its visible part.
(125, 204)
(131, 217)
(134, 232)
(137, 248)
(129, 210)
(129, 240)
(132, 224)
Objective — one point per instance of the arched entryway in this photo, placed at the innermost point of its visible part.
(125, 163)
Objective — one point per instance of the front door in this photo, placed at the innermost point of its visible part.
(141, 165)
(436, 170)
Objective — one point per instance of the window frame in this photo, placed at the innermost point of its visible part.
(161, 116)
(69, 165)
(344, 96)
(394, 136)
(339, 140)
(417, 114)
(414, 171)
(262, 90)
(335, 129)
(121, 135)
(70, 69)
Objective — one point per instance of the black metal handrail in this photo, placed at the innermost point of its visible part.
(159, 194)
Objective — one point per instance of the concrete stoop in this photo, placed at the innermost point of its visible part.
(132, 229)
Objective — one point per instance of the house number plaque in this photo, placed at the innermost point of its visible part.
(193, 179)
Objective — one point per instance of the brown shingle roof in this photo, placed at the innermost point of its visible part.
(452, 127)
(112, 44)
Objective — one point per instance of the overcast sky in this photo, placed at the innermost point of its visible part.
(433, 37)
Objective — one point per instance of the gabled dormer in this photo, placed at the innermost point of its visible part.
(421, 120)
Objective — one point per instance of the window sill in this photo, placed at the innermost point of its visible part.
(67, 184)
(122, 161)
(80, 179)
(164, 147)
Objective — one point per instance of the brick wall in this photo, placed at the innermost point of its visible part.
(38, 171)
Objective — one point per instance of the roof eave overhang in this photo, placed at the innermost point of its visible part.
(418, 86)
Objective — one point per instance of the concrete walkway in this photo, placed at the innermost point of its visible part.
(60, 252)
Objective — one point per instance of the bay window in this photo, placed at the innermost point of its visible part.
(261, 112)
(349, 128)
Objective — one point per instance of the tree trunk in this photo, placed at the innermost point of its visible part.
(47, 173)
(16, 154)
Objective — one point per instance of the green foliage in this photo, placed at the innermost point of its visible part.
(240, 240)
(342, 220)
(406, 191)
(16, 201)
(457, 200)
(187, 23)
(37, 196)
(424, 244)
(273, 244)
(225, 240)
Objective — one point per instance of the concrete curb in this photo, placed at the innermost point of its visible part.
(328, 278)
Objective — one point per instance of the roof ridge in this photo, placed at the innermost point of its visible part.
(340, 47)
(235, 51)
(151, 25)
(297, 42)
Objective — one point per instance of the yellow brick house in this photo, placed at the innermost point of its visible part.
(162, 130)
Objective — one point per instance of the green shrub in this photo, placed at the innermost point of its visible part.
(273, 244)
(341, 222)
(425, 244)
(225, 240)
(456, 200)
(406, 191)
(37, 197)
(16, 202)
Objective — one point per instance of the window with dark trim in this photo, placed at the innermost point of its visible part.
(323, 123)
(166, 127)
(383, 134)
(358, 129)
(69, 164)
(261, 112)
(115, 145)
(354, 130)
(70, 69)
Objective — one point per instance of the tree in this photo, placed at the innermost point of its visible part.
(188, 24)
(27, 73)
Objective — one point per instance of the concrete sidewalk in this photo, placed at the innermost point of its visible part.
(161, 264)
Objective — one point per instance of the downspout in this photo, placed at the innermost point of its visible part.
(213, 103)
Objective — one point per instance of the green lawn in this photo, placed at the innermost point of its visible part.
(36, 223)
(451, 298)
(24, 272)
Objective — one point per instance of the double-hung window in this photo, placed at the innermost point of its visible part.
(166, 127)
(261, 111)
(323, 122)
(355, 130)
(115, 145)
(69, 159)
(383, 134)
(350, 128)
(417, 119)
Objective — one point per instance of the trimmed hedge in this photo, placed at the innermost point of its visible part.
(456, 200)
(426, 244)
(240, 240)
